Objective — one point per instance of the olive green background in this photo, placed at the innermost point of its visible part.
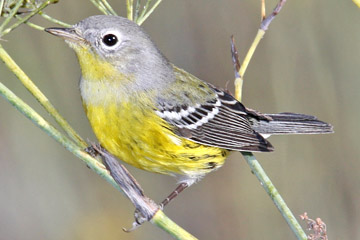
(308, 62)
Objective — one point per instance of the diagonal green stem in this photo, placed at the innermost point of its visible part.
(100, 6)
(54, 20)
(274, 195)
(1, 7)
(33, 13)
(163, 222)
(10, 16)
(143, 11)
(144, 16)
(35, 91)
(255, 166)
(109, 8)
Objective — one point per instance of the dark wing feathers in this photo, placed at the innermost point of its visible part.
(220, 122)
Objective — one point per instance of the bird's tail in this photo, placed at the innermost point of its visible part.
(291, 123)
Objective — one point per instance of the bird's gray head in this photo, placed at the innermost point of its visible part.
(119, 42)
(113, 37)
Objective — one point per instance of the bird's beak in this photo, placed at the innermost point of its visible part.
(69, 34)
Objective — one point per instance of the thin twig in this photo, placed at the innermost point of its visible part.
(266, 22)
(35, 91)
(32, 25)
(2, 4)
(263, 10)
(54, 20)
(137, 10)
(143, 11)
(100, 6)
(108, 7)
(249, 157)
(10, 16)
(148, 13)
(269, 187)
(33, 13)
(130, 11)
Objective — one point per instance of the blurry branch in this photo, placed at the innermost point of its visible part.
(51, 19)
(129, 8)
(357, 2)
(146, 209)
(43, 100)
(20, 21)
(104, 7)
(54, 133)
(10, 16)
(140, 17)
(249, 157)
(133, 13)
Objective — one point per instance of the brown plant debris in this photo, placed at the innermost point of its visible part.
(317, 226)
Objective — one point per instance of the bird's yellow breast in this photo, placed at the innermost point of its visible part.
(128, 127)
(139, 137)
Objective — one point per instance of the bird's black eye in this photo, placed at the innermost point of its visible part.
(110, 40)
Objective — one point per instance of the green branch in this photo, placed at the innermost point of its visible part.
(255, 166)
(100, 6)
(25, 19)
(10, 16)
(129, 9)
(43, 100)
(147, 14)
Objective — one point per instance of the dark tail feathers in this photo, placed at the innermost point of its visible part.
(291, 123)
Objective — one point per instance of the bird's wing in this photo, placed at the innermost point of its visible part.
(220, 121)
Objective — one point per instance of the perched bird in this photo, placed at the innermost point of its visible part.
(157, 117)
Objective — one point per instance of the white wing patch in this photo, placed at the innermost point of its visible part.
(191, 117)
(174, 115)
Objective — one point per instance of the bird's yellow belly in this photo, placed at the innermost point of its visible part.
(144, 140)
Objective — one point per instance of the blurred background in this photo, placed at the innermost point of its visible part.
(308, 62)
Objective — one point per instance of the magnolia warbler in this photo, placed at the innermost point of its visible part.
(157, 117)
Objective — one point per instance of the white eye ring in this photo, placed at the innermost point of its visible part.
(110, 40)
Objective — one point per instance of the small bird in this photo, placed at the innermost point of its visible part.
(157, 117)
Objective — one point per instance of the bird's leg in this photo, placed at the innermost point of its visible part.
(172, 195)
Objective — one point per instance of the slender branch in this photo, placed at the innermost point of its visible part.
(148, 13)
(130, 11)
(108, 7)
(32, 25)
(100, 6)
(1, 8)
(35, 91)
(163, 222)
(269, 187)
(265, 24)
(145, 8)
(263, 10)
(30, 15)
(137, 10)
(249, 157)
(10, 16)
(55, 134)
(54, 20)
